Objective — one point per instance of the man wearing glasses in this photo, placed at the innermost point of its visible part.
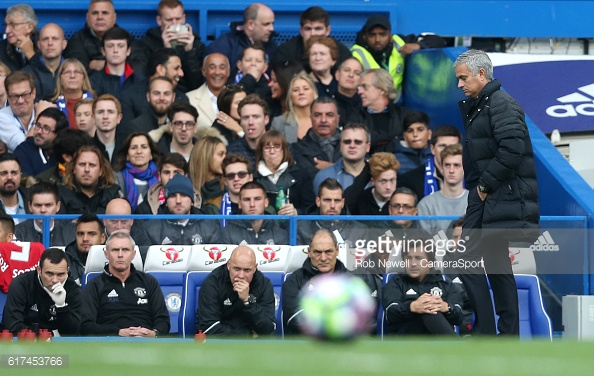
(123, 301)
(16, 120)
(20, 29)
(35, 153)
(180, 138)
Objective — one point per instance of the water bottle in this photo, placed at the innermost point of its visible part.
(281, 198)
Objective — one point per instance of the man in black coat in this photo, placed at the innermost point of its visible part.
(500, 175)
(236, 298)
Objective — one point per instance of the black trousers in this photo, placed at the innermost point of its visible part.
(428, 324)
(493, 249)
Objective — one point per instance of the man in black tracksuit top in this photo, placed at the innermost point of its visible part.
(420, 301)
(123, 301)
(44, 298)
(236, 299)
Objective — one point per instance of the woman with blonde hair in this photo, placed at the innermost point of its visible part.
(296, 121)
(4, 71)
(72, 85)
(206, 171)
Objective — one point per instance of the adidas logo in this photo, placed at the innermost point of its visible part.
(227, 302)
(411, 292)
(545, 243)
(166, 240)
(374, 294)
(310, 287)
(585, 106)
(112, 294)
(456, 280)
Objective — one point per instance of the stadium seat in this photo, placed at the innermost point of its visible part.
(96, 260)
(191, 290)
(271, 258)
(172, 286)
(206, 257)
(3, 297)
(277, 279)
(297, 256)
(87, 277)
(167, 258)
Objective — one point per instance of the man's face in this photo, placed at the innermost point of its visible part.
(171, 16)
(348, 76)
(453, 172)
(242, 266)
(182, 128)
(107, 117)
(44, 204)
(101, 17)
(119, 254)
(160, 97)
(50, 274)
(417, 136)
(84, 117)
(172, 69)
(385, 184)
(16, 27)
(370, 94)
(236, 175)
(45, 132)
(470, 85)
(262, 27)
(10, 178)
(87, 170)
(168, 171)
(440, 144)
(330, 201)
(5, 236)
(178, 203)
(377, 38)
(87, 235)
(323, 253)
(252, 58)
(253, 201)
(456, 235)
(324, 119)
(116, 51)
(354, 145)
(403, 204)
(313, 28)
(21, 97)
(253, 121)
(216, 71)
(118, 206)
(416, 263)
(51, 42)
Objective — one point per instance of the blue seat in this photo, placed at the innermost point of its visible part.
(190, 294)
(172, 286)
(277, 279)
(87, 277)
(3, 298)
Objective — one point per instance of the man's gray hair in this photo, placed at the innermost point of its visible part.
(27, 12)
(475, 60)
(383, 81)
(120, 235)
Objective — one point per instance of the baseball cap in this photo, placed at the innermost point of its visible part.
(377, 20)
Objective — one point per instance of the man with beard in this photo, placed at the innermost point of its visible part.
(108, 114)
(90, 231)
(160, 97)
(12, 195)
(35, 154)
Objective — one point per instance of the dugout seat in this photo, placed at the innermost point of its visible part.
(96, 262)
(206, 257)
(277, 278)
(187, 320)
(271, 258)
(297, 255)
(3, 298)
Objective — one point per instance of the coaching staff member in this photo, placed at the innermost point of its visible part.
(236, 298)
(503, 206)
(123, 301)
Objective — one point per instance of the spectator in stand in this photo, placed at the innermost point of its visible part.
(228, 122)
(206, 170)
(173, 32)
(44, 298)
(216, 71)
(21, 35)
(136, 167)
(254, 115)
(36, 154)
(89, 183)
(45, 63)
(257, 27)
(16, 119)
(275, 169)
(413, 149)
(251, 72)
(44, 199)
(72, 85)
(182, 125)
(314, 21)
(85, 119)
(12, 194)
(253, 201)
(383, 168)
(107, 112)
(117, 74)
(4, 71)
(323, 52)
(90, 231)
(379, 113)
(347, 97)
(237, 170)
(296, 121)
(170, 165)
(281, 74)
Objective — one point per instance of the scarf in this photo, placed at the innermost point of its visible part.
(430, 184)
(61, 102)
(273, 176)
(328, 145)
(130, 173)
(225, 208)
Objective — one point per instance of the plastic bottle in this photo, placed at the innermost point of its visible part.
(6, 336)
(281, 198)
(45, 335)
(200, 337)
